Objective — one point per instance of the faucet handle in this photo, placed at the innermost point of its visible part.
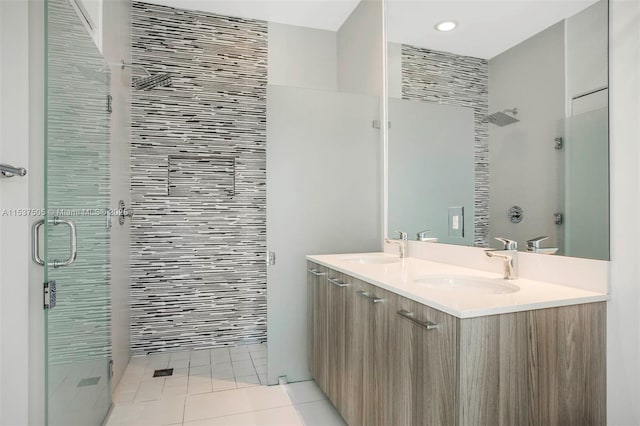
(422, 235)
(508, 244)
(403, 235)
(534, 243)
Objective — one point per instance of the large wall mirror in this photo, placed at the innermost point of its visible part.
(498, 123)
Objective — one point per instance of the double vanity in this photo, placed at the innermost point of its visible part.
(401, 341)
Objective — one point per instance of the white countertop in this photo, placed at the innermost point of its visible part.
(399, 278)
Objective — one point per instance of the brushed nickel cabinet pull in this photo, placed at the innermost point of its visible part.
(411, 317)
(316, 272)
(337, 282)
(372, 299)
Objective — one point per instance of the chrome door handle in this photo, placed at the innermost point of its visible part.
(73, 242)
(316, 272)
(35, 242)
(337, 282)
(411, 317)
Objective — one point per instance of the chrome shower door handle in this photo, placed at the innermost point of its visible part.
(73, 242)
(35, 242)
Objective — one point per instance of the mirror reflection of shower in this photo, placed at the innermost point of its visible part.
(502, 118)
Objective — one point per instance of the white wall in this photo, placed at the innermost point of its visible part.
(302, 57)
(116, 17)
(14, 230)
(524, 164)
(360, 50)
(623, 313)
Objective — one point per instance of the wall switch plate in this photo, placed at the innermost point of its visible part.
(456, 222)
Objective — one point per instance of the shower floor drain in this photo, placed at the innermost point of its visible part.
(163, 372)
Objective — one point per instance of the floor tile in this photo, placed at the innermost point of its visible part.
(246, 381)
(255, 348)
(122, 397)
(163, 412)
(238, 349)
(302, 392)
(175, 356)
(260, 362)
(281, 416)
(244, 371)
(241, 356)
(242, 364)
(221, 384)
(202, 371)
(149, 391)
(224, 374)
(179, 363)
(198, 385)
(236, 401)
(319, 413)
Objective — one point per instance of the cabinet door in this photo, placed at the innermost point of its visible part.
(338, 285)
(377, 353)
(356, 312)
(319, 317)
(405, 338)
(424, 365)
(437, 356)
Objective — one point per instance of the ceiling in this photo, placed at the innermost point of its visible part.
(320, 14)
(485, 28)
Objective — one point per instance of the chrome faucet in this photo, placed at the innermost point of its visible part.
(402, 243)
(509, 255)
(533, 245)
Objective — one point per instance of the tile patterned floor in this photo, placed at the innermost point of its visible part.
(215, 387)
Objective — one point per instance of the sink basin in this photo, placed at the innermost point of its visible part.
(372, 259)
(468, 284)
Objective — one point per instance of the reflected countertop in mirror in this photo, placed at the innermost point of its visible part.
(499, 127)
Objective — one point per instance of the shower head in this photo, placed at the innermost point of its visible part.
(149, 81)
(152, 81)
(501, 118)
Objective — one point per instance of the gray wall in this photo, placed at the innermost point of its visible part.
(525, 166)
(360, 50)
(198, 255)
(586, 44)
(448, 79)
(302, 57)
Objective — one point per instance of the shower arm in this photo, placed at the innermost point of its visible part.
(123, 65)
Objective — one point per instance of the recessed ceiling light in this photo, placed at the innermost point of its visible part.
(446, 26)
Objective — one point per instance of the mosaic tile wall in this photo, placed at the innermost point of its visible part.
(198, 181)
(449, 79)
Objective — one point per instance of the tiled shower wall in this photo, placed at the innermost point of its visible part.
(445, 78)
(198, 156)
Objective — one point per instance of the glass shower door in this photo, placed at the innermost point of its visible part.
(76, 235)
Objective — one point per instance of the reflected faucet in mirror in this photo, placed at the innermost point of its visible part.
(422, 236)
(509, 256)
(533, 245)
(401, 243)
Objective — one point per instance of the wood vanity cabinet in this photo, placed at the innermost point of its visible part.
(425, 367)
